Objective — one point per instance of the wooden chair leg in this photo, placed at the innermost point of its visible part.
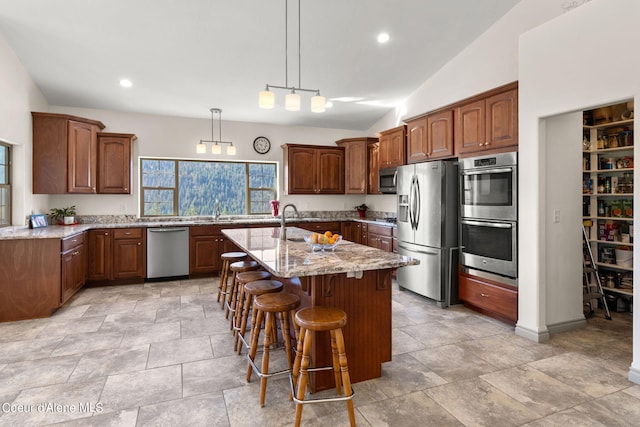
(344, 368)
(304, 375)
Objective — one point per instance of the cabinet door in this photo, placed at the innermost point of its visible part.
(356, 173)
(417, 149)
(204, 254)
(502, 120)
(114, 164)
(397, 148)
(82, 144)
(440, 135)
(128, 259)
(301, 170)
(100, 255)
(72, 272)
(330, 177)
(373, 155)
(384, 151)
(470, 127)
(351, 231)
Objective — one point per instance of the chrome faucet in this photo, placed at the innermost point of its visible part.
(283, 227)
(217, 210)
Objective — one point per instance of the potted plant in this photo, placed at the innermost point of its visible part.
(64, 216)
(362, 210)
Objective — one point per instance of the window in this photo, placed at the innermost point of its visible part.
(5, 185)
(192, 187)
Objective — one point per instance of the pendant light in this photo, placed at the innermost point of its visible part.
(266, 98)
(216, 148)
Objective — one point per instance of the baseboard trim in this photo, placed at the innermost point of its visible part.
(569, 325)
(634, 375)
(537, 336)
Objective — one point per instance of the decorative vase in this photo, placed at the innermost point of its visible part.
(361, 213)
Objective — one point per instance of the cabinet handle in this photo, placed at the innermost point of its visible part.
(480, 145)
(106, 234)
(484, 295)
(139, 243)
(486, 143)
(126, 189)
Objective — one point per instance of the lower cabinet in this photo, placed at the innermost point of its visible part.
(73, 266)
(351, 231)
(488, 297)
(380, 237)
(206, 244)
(320, 227)
(117, 254)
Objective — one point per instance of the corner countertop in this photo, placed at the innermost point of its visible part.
(60, 231)
(293, 257)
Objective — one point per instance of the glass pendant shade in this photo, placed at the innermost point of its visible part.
(318, 104)
(201, 148)
(231, 150)
(266, 99)
(292, 102)
(216, 149)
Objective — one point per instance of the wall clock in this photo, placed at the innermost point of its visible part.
(262, 145)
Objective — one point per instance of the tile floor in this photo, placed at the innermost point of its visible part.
(160, 354)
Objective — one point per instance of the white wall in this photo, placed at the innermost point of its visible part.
(163, 136)
(18, 97)
(564, 66)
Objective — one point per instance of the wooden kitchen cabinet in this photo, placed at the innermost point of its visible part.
(356, 173)
(430, 137)
(73, 266)
(311, 169)
(117, 255)
(206, 244)
(380, 237)
(114, 162)
(489, 124)
(373, 154)
(64, 153)
(490, 298)
(393, 147)
(351, 231)
(320, 227)
(129, 253)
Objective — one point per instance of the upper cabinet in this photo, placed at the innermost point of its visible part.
(489, 123)
(356, 173)
(373, 154)
(313, 169)
(393, 147)
(64, 154)
(114, 162)
(430, 137)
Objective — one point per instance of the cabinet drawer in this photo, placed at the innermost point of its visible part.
(490, 297)
(380, 230)
(72, 241)
(127, 233)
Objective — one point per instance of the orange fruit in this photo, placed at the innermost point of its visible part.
(328, 233)
(336, 236)
(314, 238)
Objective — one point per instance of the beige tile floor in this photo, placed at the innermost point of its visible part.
(160, 354)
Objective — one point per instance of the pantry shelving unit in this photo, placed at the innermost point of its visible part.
(608, 196)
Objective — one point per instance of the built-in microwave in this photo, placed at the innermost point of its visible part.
(489, 187)
(387, 179)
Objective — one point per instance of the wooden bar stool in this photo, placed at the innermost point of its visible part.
(252, 290)
(311, 320)
(235, 268)
(237, 301)
(227, 259)
(267, 308)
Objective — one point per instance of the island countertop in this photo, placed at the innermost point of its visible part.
(293, 257)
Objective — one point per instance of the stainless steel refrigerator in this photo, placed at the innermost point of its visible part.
(427, 195)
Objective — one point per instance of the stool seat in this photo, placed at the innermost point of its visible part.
(276, 302)
(260, 287)
(236, 256)
(241, 266)
(321, 318)
(250, 276)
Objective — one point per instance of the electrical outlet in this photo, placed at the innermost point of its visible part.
(556, 215)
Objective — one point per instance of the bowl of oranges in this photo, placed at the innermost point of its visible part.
(326, 241)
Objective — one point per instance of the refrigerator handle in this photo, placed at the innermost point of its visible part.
(418, 202)
(410, 201)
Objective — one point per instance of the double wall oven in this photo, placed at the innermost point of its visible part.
(489, 213)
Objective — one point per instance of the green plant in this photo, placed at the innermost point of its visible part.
(58, 214)
(362, 207)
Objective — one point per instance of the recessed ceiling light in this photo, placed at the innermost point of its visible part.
(383, 37)
(125, 83)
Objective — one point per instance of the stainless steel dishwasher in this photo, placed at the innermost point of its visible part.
(167, 252)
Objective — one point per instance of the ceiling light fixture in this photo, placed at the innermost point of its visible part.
(125, 83)
(201, 147)
(266, 98)
(383, 37)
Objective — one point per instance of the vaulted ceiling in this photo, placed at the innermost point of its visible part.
(185, 57)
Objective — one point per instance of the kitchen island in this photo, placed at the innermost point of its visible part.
(353, 277)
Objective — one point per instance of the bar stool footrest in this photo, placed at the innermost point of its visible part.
(320, 399)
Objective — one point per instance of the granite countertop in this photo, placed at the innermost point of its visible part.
(60, 231)
(294, 258)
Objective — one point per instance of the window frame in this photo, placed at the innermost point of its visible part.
(176, 195)
(9, 165)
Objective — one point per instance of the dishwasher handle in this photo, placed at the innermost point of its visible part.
(167, 230)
